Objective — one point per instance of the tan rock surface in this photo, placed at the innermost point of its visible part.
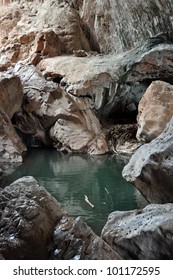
(72, 123)
(11, 93)
(11, 147)
(154, 111)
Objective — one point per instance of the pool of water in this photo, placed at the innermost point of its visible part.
(70, 177)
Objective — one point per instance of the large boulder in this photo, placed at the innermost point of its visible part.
(154, 110)
(52, 114)
(28, 215)
(150, 168)
(145, 234)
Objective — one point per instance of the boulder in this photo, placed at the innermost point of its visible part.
(52, 114)
(28, 215)
(145, 234)
(154, 110)
(74, 240)
(11, 147)
(150, 168)
(11, 93)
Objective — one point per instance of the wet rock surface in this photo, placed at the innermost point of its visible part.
(141, 234)
(150, 168)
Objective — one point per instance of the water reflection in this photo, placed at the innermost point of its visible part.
(70, 177)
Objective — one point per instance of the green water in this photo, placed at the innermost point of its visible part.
(70, 177)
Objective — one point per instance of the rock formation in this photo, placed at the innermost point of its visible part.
(51, 114)
(154, 110)
(11, 96)
(120, 25)
(141, 234)
(33, 226)
(150, 168)
(28, 215)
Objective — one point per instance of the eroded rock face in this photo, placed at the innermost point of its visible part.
(155, 110)
(50, 113)
(150, 168)
(74, 240)
(11, 93)
(43, 30)
(141, 234)
(11, 147)
(27, 216)
(114, 83)
(108, 21)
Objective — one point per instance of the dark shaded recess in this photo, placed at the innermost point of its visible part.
(90, 37)
(57, 79)
(29, 139)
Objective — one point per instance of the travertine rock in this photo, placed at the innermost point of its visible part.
(150, 168)
(154, 110)
(141, 234)
(28, 216)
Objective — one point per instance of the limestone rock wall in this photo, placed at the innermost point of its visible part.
(119, 25)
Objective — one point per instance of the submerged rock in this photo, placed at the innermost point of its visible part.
(28, 215)
(150, 168)
(145, 234)
(154, 110)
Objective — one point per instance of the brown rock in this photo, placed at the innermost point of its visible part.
(154, 111)
(69, 120)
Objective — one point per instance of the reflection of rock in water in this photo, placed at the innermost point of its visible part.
(140, 200)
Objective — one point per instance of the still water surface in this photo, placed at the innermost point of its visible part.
(70, 177)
